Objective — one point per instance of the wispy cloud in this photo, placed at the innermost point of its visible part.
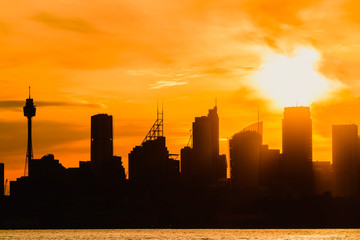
(8, 104)
(161, 84)
(71, 24)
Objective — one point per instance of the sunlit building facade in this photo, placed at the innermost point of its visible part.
(297, 149)
(345, 157)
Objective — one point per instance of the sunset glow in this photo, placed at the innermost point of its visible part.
(292, 80)
(120, 57)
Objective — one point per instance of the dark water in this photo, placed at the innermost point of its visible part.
(203, 234)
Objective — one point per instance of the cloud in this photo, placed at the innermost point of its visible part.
(46, 135)
(161, 84)
(341, 109)
(17, 104)
(71, 24)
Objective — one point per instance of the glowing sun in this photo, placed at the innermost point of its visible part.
(292, 80)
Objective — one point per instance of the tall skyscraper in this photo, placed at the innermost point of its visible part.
(252, 164)
(245, 158)
(297, 148)
(101, 138)
(345, 160)
(29, 112)
(203, 161)
(150, 163)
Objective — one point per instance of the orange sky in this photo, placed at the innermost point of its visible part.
(118, 57)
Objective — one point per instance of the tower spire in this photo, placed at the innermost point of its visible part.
(29, 112)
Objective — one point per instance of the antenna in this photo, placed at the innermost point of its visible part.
(29, 92)
(216, 102)
(157, 130)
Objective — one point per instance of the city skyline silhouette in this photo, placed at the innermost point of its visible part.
(160, 184)
(182, 113)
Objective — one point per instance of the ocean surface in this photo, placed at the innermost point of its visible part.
(201, 234)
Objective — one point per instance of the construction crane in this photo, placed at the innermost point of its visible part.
(190, 138)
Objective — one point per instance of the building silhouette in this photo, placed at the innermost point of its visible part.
(202, 163)
(186, 155)
(150, 163)
(29, 112)
(345, 154)
(269, 169)
(245, 149)
(2, 180)
(101, 138)
(252, 164)
(104, 175)
(297, 149)
(46, 179)
(323, 180)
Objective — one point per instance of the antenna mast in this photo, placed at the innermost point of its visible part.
(157, 129)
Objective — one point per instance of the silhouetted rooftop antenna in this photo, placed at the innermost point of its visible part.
(157, 129)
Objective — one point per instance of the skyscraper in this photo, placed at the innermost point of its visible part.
(245, 159)
(101, 138)
(345, 160)
(206, 164)
(297, 148)
(150, 163)
(29, 112)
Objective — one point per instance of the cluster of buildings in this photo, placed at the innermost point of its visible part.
(254, 168)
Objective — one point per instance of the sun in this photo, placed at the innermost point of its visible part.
(291, 80)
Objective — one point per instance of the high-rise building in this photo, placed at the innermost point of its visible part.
(107, 169)
(245, 156)
(245, 159)
(101, 138)
(345, 160)
(206, 164)
(150, 163)
(269, 166)
(2, 182)
(297, 148)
